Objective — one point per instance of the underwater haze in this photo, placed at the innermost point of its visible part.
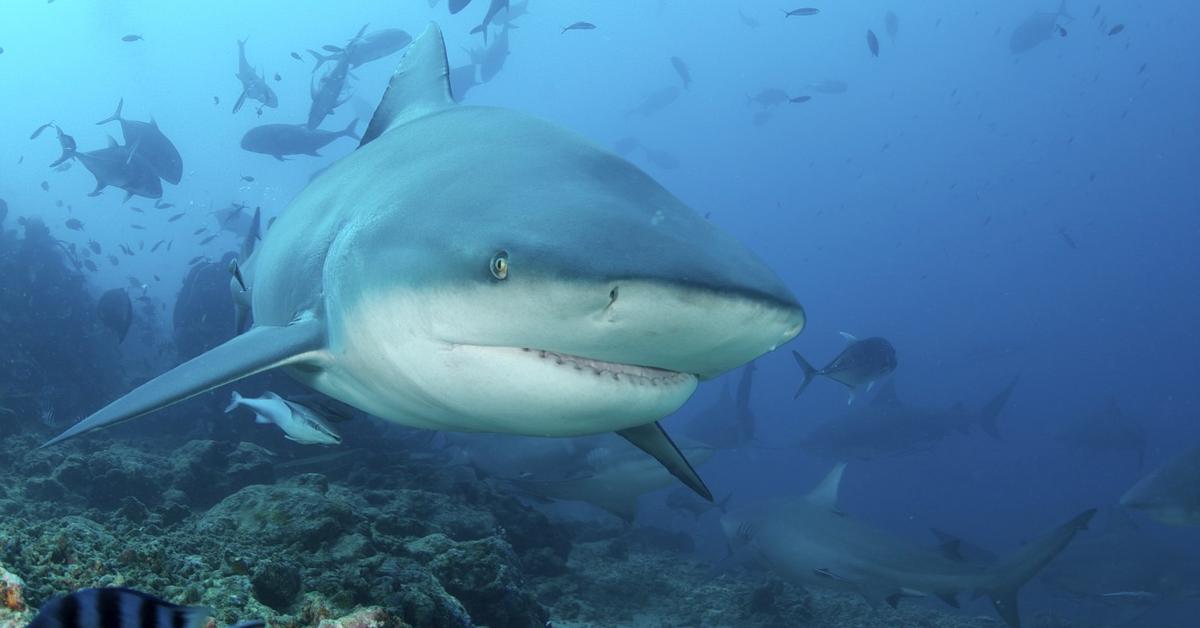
(389, 313)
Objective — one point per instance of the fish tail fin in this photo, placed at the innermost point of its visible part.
(809, 373)
(234, 400)
(991, 410)
(349, 130)
(320, 58)
(116, 116)
(1011, 574)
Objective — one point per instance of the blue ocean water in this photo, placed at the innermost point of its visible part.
(994, 214)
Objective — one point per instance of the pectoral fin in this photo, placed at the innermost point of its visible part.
(653, 439)
(257, 350)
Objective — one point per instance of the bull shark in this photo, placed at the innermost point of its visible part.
(811, 542)
(886, 426)
(479, 269)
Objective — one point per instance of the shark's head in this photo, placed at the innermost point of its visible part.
(547, 281)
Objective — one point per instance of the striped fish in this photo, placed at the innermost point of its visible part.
(117, 607)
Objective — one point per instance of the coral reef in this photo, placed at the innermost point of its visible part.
(386, 539)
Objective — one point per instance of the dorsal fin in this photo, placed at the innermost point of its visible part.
(825, 495)
(420, 86)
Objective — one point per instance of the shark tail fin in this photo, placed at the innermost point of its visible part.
(116, 116)
(255, 351)
(809, 373)
(1010, 574)
(991, 410)
(233, 402)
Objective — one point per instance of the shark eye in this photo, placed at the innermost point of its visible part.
(500, 265)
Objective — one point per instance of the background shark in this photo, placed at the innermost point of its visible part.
(811, 541)
(886, 426)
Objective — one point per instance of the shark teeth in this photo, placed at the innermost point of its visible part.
(614, 370)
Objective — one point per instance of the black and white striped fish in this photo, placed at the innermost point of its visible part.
(116, 607)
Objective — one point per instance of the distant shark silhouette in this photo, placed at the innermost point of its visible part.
(811, 542)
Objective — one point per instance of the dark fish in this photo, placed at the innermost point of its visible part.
(208, 239)
(197, 259)
(95, 247)
(216, 100)
(138, 227)
(1096, 12)
(199, 231)
(254, 86)
(247, 178)
(800, 12)
(74, 224)
(296, 56)
(38, 131)
(116, 312)
(117, 606)
(1062, 32)
(151, 145)
(112, 259)
(45, 186)
(132, 38)
(278, 140)
(891, 24)
(138, 210)
(1066, 237)
(861, 362)
(175, 217)
(156, 245)
(748, 21)
(682, 70)
(277, 77)
(163, 205)
(579, 26)
(1116, 29)
(799, 99)
(90, 265)
(872, 43)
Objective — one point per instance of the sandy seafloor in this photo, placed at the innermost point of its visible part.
(368, 539)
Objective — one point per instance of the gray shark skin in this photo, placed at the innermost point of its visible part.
(1171, 493)
(886, 426)
(151, 144)
(728, 423)
(810, 542)
(478, 269)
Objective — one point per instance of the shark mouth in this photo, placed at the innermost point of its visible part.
(616, 371)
